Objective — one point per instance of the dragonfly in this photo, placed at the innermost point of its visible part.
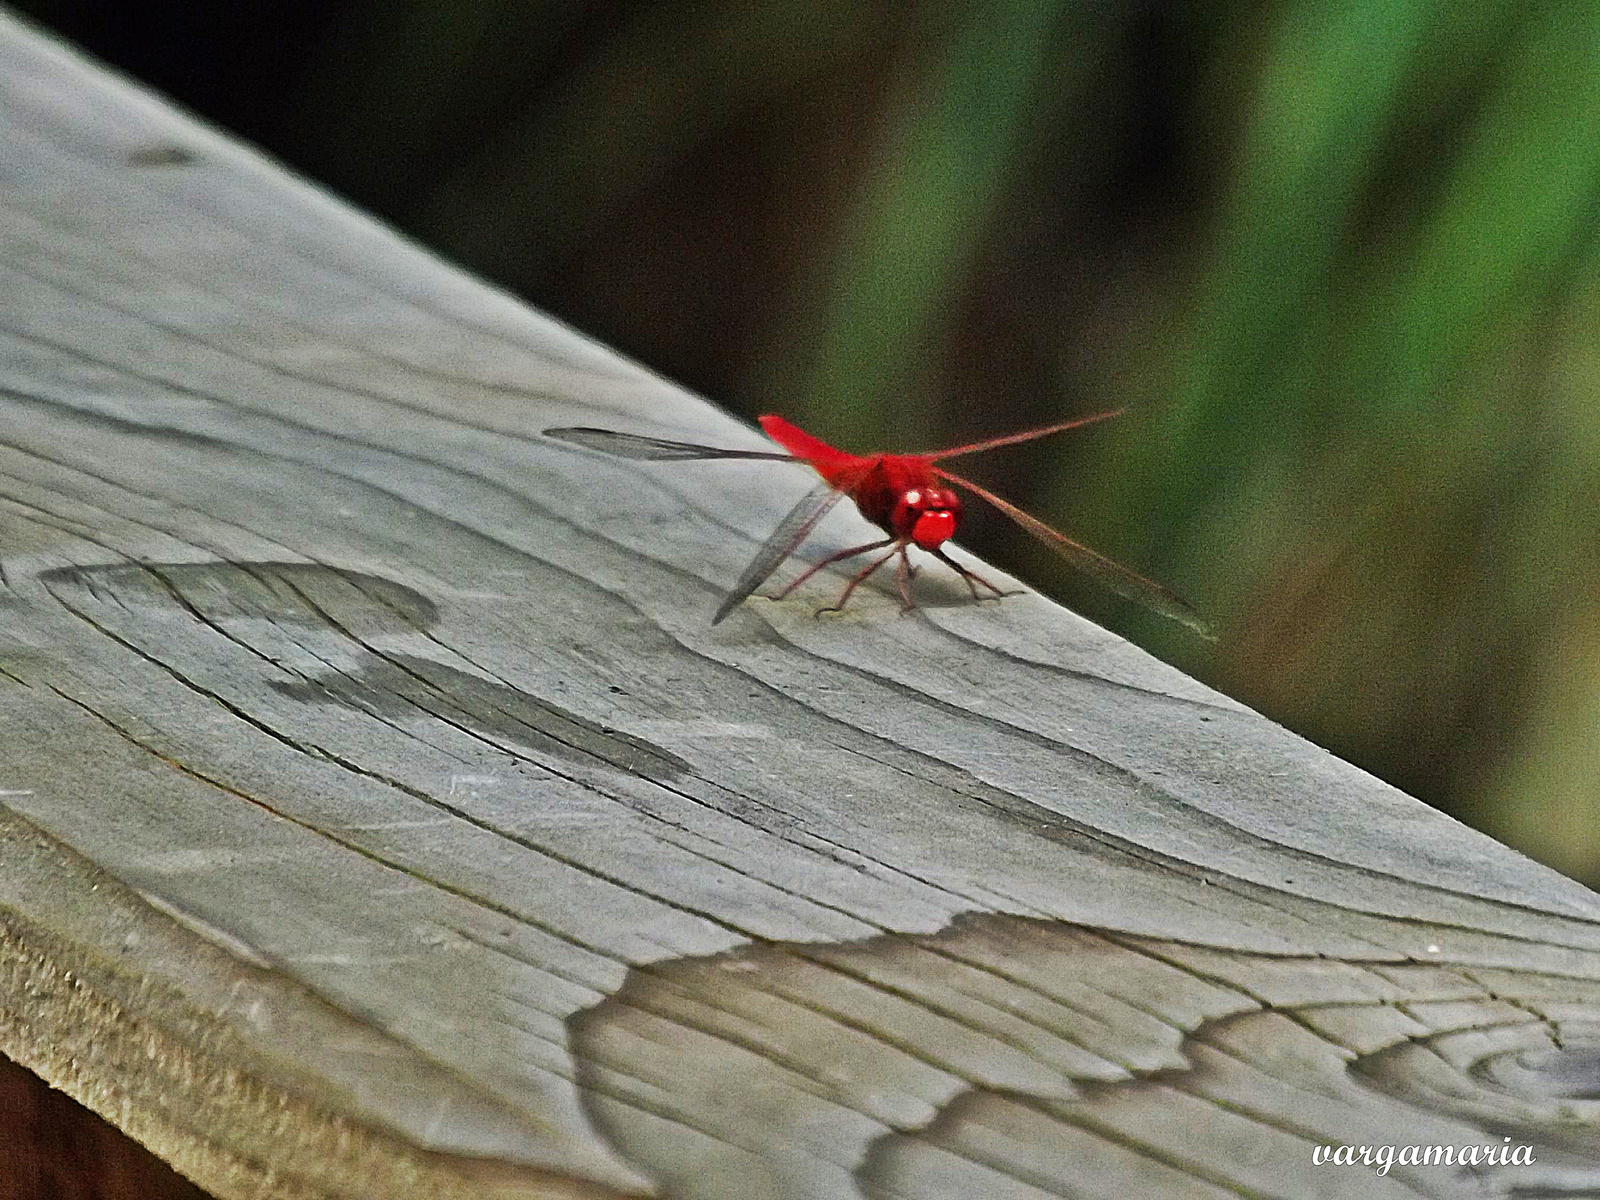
(908, 496)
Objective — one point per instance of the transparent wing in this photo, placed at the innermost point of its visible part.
(783, 542)
(634, 445)
(1011, 439)
(1097, 566)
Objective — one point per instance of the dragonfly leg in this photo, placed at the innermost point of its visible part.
(903, 573)
(829, 561)
(971, 578)
(857, 579)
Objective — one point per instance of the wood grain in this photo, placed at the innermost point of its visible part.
(384, 817)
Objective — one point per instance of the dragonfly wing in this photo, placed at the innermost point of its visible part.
(634, 445)
(783, 542)
(1097, 566)
(1011, 439)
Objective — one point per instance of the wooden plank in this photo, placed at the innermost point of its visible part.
(382, 815)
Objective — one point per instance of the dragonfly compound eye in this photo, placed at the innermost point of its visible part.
(933, 528)
(926, 516)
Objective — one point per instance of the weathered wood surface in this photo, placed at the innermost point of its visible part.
(382, 816)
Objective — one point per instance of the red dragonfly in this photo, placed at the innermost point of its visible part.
(903, 494)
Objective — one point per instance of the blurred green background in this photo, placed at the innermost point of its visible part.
(1337, 260)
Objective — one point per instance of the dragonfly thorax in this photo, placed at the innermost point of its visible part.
(925, 515)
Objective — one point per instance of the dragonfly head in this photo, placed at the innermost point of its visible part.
(927, 516)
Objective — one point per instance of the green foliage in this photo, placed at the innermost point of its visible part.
(948, 149)
(1368, 451)
(1366, 438)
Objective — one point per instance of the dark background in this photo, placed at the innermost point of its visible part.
(52, 1148)
(1336, 259)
